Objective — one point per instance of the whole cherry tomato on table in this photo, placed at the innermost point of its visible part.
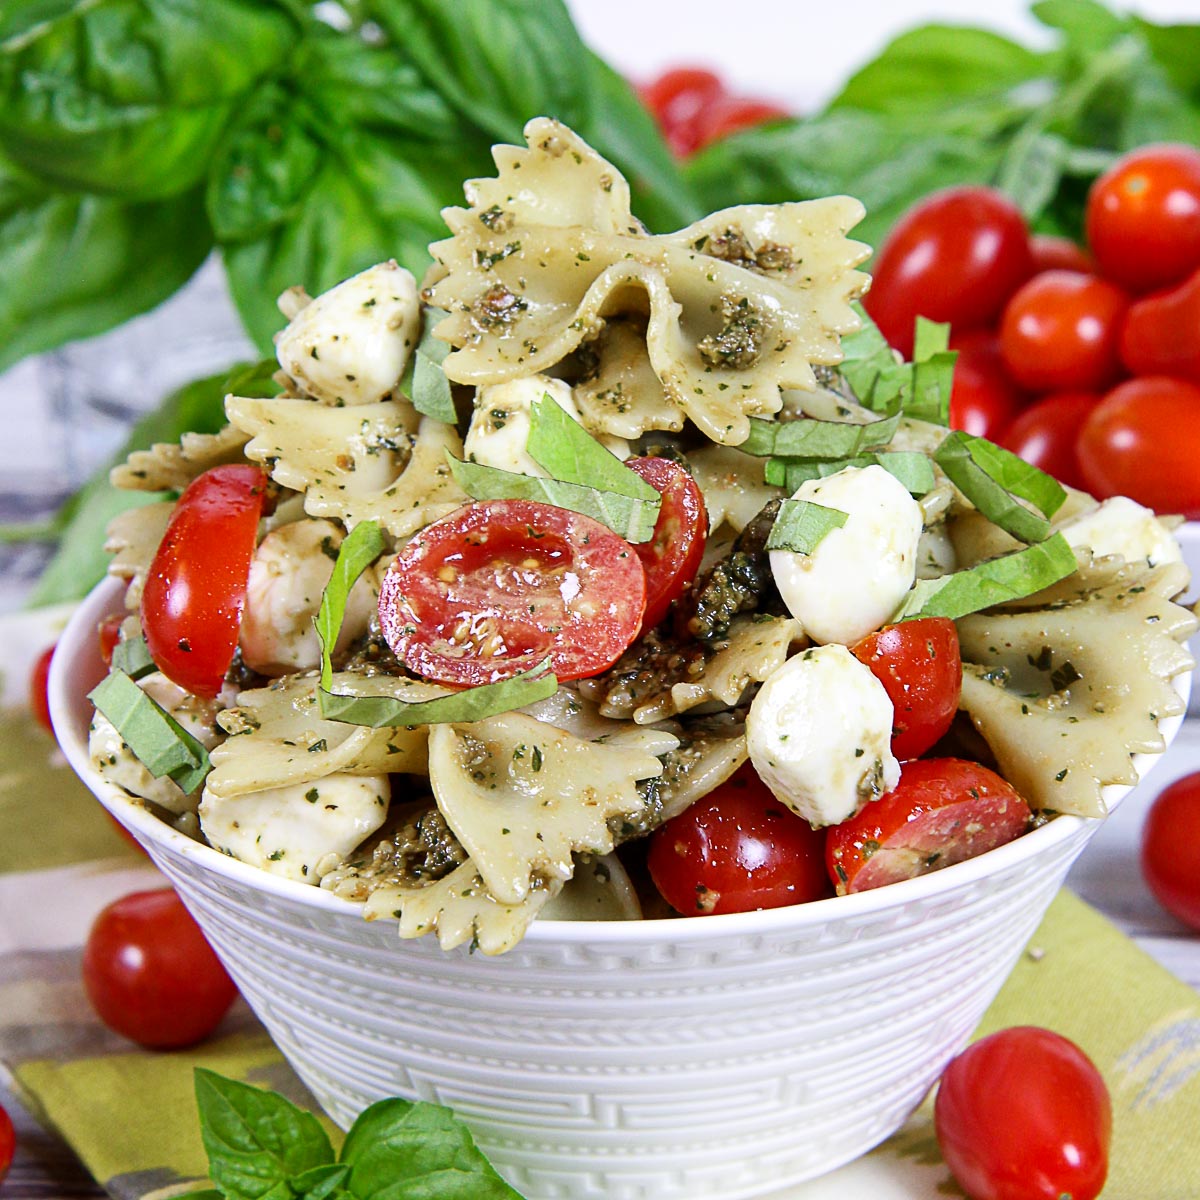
(730, 114)
(1046, 434)
(1061, 331)
(942, 811)
(956, 256)
(919, 664)
(984, 401)
(1024, 1115)
(737, 849)
(1161, 333)
(1052, 253)
(196, 587)
(679, 99)
(1143, 217)
(1143, 440)
(151, 975)
(1171, 849)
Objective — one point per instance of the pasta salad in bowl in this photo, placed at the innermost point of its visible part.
(601, 580)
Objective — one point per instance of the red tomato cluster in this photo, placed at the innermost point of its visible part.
(1086, 362)
(1171, 849)
(693, 108)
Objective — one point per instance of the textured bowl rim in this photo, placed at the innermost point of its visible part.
(77, 662)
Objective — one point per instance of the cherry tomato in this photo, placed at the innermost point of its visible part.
(39, 696)
(919, 665)
(1046, 434)
(196, 587)
(678, 99)
(499, 585)
(1143, 440)
(8, 1142)
(737, 849)
(984, 400)
(1052, 253)
(1024, 1115)
(108, 634)
(942, 811)
(151, 975)
(729, 114)
(1161, 334)
(1143, 217)
(956, 256)
(1171, 849)
(1061, 332)
(672, 556)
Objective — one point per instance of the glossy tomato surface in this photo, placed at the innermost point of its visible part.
(919, 664)
(151, 975)
(1061, 332)
(39, 695)
(1161, 332)
(196, 586)
(1046, 434)
(956, 256)
(679, 99)
(498, 586)
(1052, 253)
(1143, 440)
(1143, 217)
(1024, 1115)
(8, 1142)
(984, 400)
(737, 849)
(672, 556)
(942, 811)
(1170, 852)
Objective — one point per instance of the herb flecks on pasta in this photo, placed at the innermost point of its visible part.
(739, 305)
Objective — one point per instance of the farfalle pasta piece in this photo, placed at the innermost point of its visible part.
(523, 797)
(277, 737)
(1064, 693)
(740, 305)
(732, 484)
(132, 538)
(171, 466)
(379, 461)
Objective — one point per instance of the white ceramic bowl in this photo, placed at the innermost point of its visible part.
(719, 1057)
(1189, 541)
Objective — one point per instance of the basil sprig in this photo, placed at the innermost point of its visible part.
(910, 467)
(813, 439)
(359, 549)
(425, 382)
(801, 526)
(132, 656)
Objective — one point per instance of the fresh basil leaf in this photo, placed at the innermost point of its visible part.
(932, 374)
(425, 382)
(810, 438)
(156, 739)
(1176, 48)
(1010, 577)
(1089, 27)
(472, 704)
(360, 548)
(632, 518)
(911, 468)
(132, 656)
(801, 526)
(1032, 170)
(996, 480)
(320, 1183)
(399, 1150)
(130, 97)
(256, 1140)
(202, 1194)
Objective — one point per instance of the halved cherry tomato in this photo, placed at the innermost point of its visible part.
(39, 696)
(1143, 217)
(729, 114)
(1046, 435)
(737, 849)
(1171, 849)
(499, 585)
(942, 811)
(919, 665)
(1143, 440)
(1061, 332)
(1161, 334)
(956, 256)
(196, 587)
(672, 556)
(678, 99)
(1024, 1115)
(984, 401)
(1052, 253)
(108, 634)
(151, 974)
(8, 1142)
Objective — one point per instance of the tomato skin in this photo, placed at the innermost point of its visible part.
(196, 587)
(1052, 253)
(984, 401)
(1047, 432)
(736, 850)
(39, 696)
(151, 975)
(1170, 852)
(1161, 333)
(942, 811)
(679, 98)
(730, 114)
(482, 594)
(108, 634)
(919, 664)
(1143, 440)
(8, 1142)
(1024, 1115)
(1143, 217)
(956, 256)
(672, 556)
(1061, 332)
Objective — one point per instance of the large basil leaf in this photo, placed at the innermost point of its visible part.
(129, 97)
